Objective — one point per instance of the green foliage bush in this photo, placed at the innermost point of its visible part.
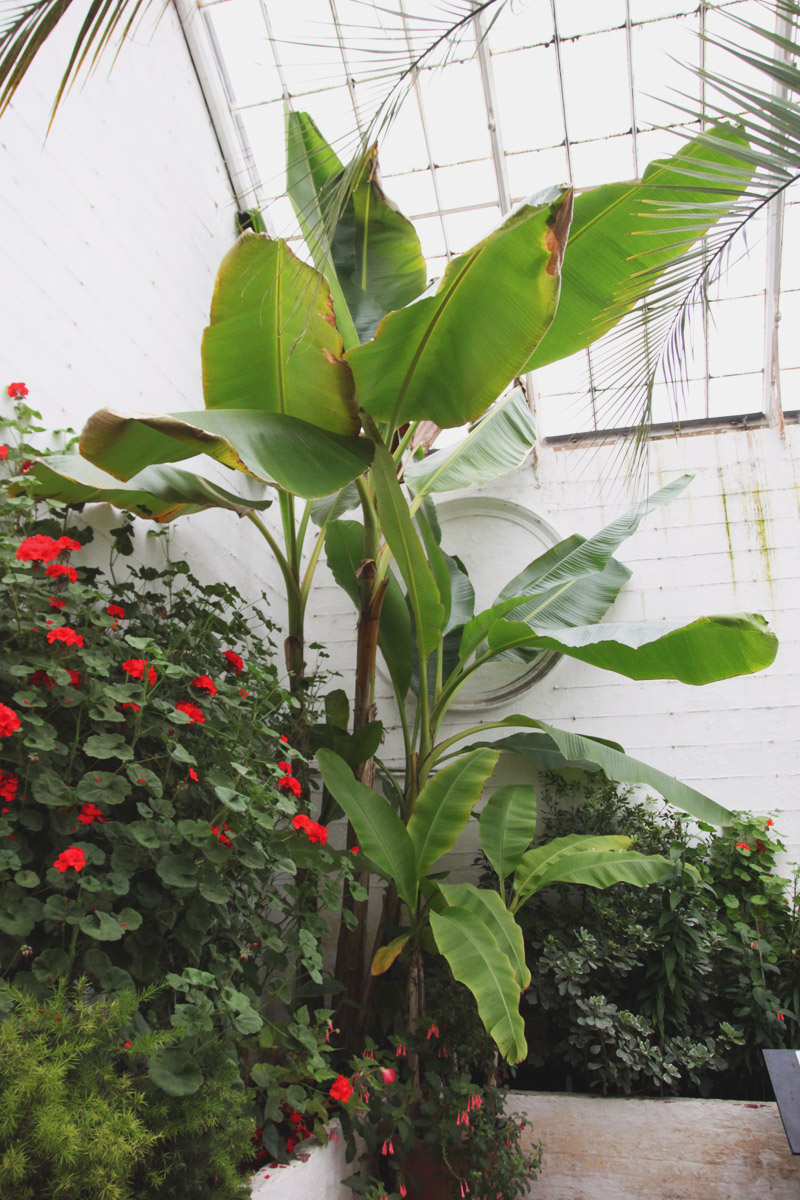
(81, 1119)
(150, 779)
(671, 989)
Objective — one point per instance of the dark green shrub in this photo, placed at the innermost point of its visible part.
(673, 989)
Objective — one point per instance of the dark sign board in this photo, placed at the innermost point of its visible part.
(784, 1073)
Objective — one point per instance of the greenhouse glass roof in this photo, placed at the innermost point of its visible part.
(524, 94)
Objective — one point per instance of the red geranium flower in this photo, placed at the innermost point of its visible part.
(74, 678)
(8, 786)
(38, 548)
(341, 1089)
(234, 659)
(312, 829)
(3, 451)
(193, 775)
(290, 784)
(221, 835)
(73, 857)
(285, 767)
(56, 603)
(42, 679)
(742, 846)
(57, 569)
(26, 466)
(66, 635)
(205, 684)
(194, 713)
(90, 813)
(135, 667)
(17, 391)
(9, 721)
(114, 610)
(67, 543)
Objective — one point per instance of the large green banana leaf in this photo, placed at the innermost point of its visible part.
(272, 344)
(344, 550)
(539, 863)
(507, 827)
(489, 907)
(481, 965)
(376, 253)
(403, 541)
(704, 651)
(443, 806)
(602, 869)
(623, 232)
(157, 493)
(582, 599)
(381, 834)
(448, 356)
(593, 553)
(497, 444)
(312, 172)
(275, 448)
(625, 769)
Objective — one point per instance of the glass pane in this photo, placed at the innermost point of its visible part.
(529, 173)
(455, 113)
(595, 111)
(735, 394)
(521, 25)
(736, 337)
(587, 16)
(529, 108)
(466, 228)
(242, 36)
(665, 86)
(467, 184)
(604, 161)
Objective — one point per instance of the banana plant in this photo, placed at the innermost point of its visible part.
(297, 401)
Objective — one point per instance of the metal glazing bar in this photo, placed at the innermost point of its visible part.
(706, 314)
(274, 47)
(425, 132)
(215, 84)
(560, 74)
(631, 86)
(490, 101)
(771, 402)
(347, 72)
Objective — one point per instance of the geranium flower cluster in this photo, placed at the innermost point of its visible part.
(136, 667)
(222, 834)
(9, 721)
(72, 857)
(288, 784)
(40, 548)
(312, 829)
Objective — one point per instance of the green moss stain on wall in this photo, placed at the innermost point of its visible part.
(724, 498)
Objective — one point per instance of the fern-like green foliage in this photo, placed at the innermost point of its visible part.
(80, 1119)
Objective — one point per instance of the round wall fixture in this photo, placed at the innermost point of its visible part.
(495, 539)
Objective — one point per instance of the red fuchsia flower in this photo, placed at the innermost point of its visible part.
(56, 603)
(235, 661)
(73, 857)
(742, 846)
(66, 635)
(9, 721)
(55, 570)
(290, 784)
(222, 834)
(205, 684)
(8, 786)
(193, 775)
(341, 1089)
(38, 548)
(17, 391)
(400, 1052)
(42, 679)
(433, 1032)
(114, 610)
(312, 829)
(388, 1074)
(780, 1016)
(3, 451)
(135, 667)
(90, 813)
(194, 713)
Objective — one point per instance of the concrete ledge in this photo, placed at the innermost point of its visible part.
(316, 1175)
(611, 1149)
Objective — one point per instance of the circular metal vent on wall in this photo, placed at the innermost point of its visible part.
(495, 539)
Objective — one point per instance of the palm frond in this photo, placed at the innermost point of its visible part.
(27, 27)
(663, 325)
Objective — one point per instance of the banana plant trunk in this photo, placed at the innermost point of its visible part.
(351, 951)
